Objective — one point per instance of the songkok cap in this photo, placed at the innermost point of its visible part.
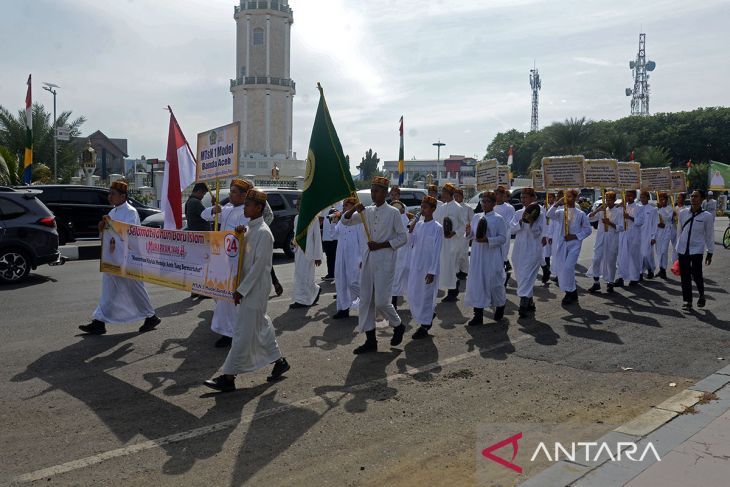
(631, 191)
(610, 193)
(710, 193)
(500, 189)
(120, 186)
(459, 191)
(430, 200)
(433, 187)
(574, 192)
(449, 187)
(489, 195)
(256, 195)
(530, 191)
(662, 194)
(244, 184)
(381, 181)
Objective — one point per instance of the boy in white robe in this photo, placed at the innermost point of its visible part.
(547, 238)
(387, 234)
(648, 235)
(629, 250)
(665, 233)
(485, 284)
(676, 231)
(452, 219)
(610, 220)
(306, 291)
(254, 339)
(351, 244)
(424, 248)
(122, 300)
(400, 280)
(463, 266)
(230, 217)
(506, 211)
(568, 245)
(527, 250)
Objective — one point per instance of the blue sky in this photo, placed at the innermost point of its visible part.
(456, 71)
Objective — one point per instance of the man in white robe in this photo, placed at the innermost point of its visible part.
(485, 284)
(452, 219)
(568, 245)
(387, 234)
(351, 244)
(507, 212)
(527, 249)
(610, 219)
(463, 266)
(665, 232)
(676, 231)
(433, 191)
(122, 300)
(648, 235)
(547, 238)
(230, 217)
(254, 339)
(400, 280)
(306, 291)
(629, 250)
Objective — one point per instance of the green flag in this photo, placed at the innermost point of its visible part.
(327, 179)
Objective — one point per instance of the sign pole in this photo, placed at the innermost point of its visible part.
(217, 202)
(605, 215)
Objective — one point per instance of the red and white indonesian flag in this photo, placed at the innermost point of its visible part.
(179, 174)
(509, 157)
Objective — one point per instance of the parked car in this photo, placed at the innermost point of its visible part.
(78, 209)
(514, 199)
(28, 235)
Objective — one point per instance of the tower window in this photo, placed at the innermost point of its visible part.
(258, 36)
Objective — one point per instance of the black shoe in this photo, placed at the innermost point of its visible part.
(422, 332)
(650, 274)
(222, 384)
(223, 342)
(594, 288)
(687, 307)
(509, 274)
(461, 275)
(531, 305)
(701, 302)
(150, 324)
(398, 332)
(635, 283)
(478, 317)
(297, 305)
(570, 297)
(341, 314)
(96, 327)
(523, 312)
(609, 288)
(545, 275)
(367, 347)
(662, 273)
(450, 298)
(316, 300)
(619, 282)
(278, 289)
(280, 366)
(499, 313)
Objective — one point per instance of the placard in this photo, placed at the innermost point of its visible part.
(656, 179)
(217, 156)
(679, 182)
(487, 175)
(537, 182)
(601, 173)
(563, 172)
(629, 175)
(503, 176)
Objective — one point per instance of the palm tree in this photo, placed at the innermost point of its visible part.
(574, 136)
(652, 156)
(618, 145)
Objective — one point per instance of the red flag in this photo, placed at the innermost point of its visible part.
(509, 156)
(631, 156)
(179, 174)
(689, 163)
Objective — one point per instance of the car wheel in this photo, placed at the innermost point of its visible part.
(14, 265)
(289, 246)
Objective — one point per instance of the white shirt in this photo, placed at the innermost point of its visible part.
(384, 224)
(700, 232)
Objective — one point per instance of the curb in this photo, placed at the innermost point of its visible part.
(80, 252)
(664, 426)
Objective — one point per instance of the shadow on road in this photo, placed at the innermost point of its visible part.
(484, 337)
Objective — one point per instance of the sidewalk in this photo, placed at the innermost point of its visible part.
(690, 432)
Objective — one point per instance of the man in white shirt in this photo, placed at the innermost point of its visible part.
(696, 229)
(452, 218)
(629, 250)
(610, 219)
(648, 235)
(507, 212)
(464, 251)
(710, 206)
(329, 241)
(665, 232)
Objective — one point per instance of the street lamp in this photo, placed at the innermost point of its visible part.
(52, 88)
(438, 145)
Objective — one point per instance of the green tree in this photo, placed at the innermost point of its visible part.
(573, 136)
(9, 174)
(369, 165)
(697, 177)
(651, 156)
(12, 136)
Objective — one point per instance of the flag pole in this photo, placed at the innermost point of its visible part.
(362, 217)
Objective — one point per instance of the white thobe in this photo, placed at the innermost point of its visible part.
(605, 248)
(648, 233)
(400, 280)
(378, 267)
(122, 300)
(567, 253)
(664, 235)
(527, 251)
(305, 289)
(351, 244)
(485, 284)
(547, 249)
(629, 250)
(424, 249)
(254, 339)
(451, 247)
(224, 313)
(506, 211)
(463, 261)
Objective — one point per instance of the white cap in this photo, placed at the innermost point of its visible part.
(710, 193)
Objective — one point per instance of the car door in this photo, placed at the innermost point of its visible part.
(86, 207)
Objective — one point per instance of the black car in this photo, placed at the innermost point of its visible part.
(28, 236)
(79, 209)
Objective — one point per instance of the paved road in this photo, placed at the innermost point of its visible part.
(129, 409)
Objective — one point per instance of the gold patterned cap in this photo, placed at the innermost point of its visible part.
(430, 201)
(381, 181)
(433, 187)
(662, 194)
(256, 195)
(530, 191)
(244, 184)
(449, 187)
(120, 186)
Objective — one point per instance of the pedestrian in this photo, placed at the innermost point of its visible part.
(400, 280)
(648, 235)
(710, 206)
(254, 339)
(453, 220)
(329, 242)
(424, 249)
(394, 194)
(378, 263)
(122, 300)
(485, 285)
(697, 234)
(629, 247)
(232, 217)
(610, 224)
(679, 205)
(528, 227)
(305, 292)
(547, 237)
(433, 191)
(506, 211)
(463, 260)
(568, 244)
(666, 232)
(351, 244)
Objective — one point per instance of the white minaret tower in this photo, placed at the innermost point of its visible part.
(263, 91)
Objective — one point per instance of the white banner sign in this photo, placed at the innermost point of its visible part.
(217, 156)
(629, 175)
(487, 175)
(563, 172)
(656, 179)
(601, 173)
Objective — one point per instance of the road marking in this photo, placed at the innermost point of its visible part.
(232, 423)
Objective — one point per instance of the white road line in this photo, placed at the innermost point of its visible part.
(232, 423)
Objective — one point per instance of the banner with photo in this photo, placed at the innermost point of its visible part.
(204, 263)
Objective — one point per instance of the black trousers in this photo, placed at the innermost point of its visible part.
(690, 267)
(330, 250)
